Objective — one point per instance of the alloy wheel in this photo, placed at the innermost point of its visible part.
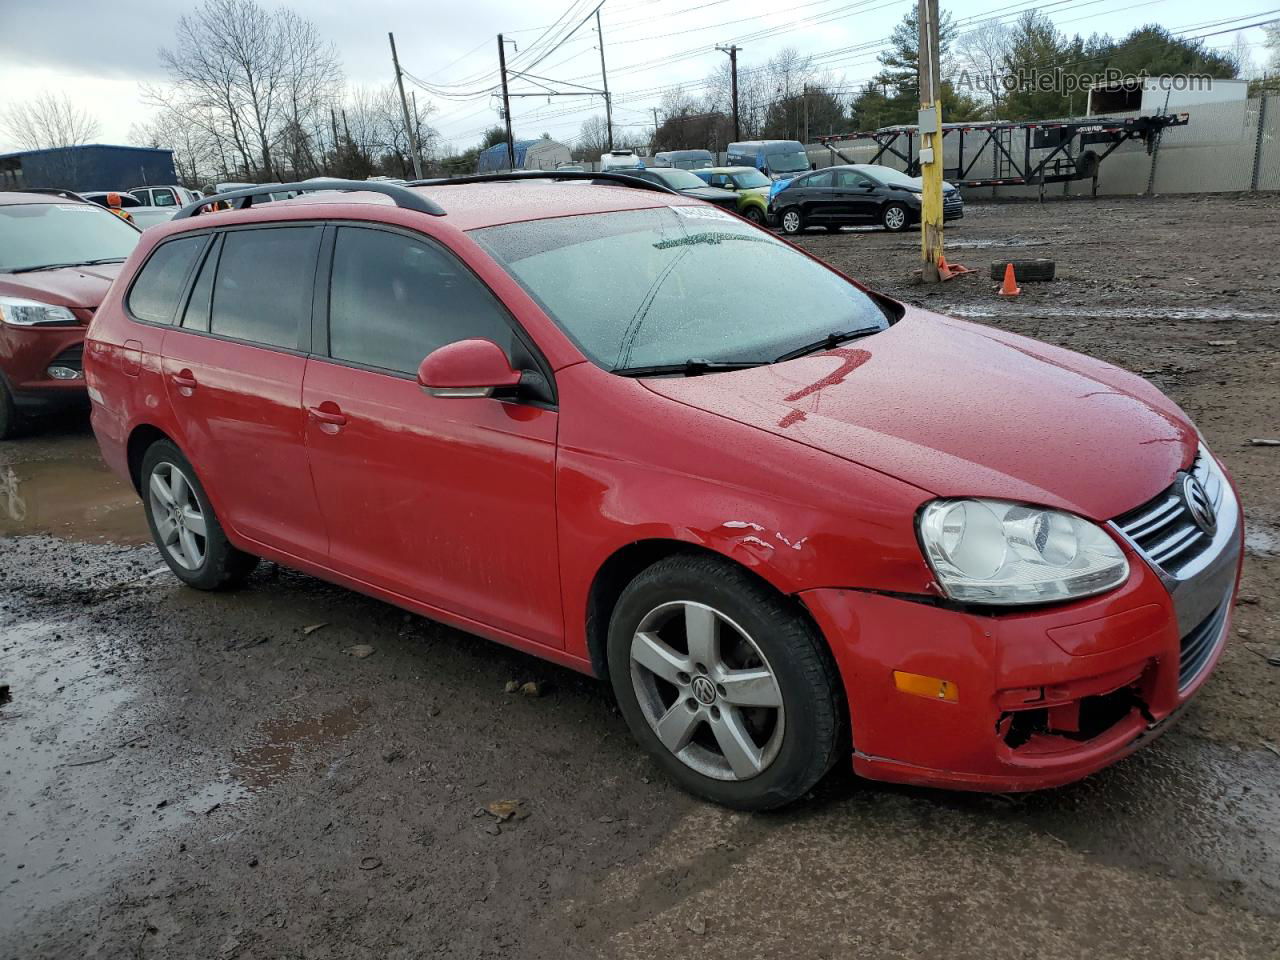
(707, 691)
(791, 221)
(895, 218)
(175, 510)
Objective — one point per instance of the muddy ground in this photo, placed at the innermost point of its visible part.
(215, 775)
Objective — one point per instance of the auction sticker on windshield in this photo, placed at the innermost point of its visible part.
(702, 213)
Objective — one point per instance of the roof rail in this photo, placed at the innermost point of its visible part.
(405, 199)
(515, 176)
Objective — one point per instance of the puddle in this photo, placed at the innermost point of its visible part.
(1261, 539)
(80, 792)
(281, 741)
(1108, 313)
(70, 494)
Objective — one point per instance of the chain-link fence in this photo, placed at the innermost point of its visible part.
(1224, 147)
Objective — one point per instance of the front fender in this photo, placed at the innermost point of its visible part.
(634, 466)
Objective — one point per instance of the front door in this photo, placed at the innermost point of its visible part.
(233, 374)
(855, 197)
(817, 197)
(450, 502)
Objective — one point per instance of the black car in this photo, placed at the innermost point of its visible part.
(682, 181)
(857, 193)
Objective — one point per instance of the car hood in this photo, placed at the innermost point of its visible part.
(65, 287)
(960, 409)
(710, 193)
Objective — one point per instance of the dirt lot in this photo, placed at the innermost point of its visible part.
(196, 775)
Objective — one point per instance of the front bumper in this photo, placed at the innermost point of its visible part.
(27, 353)
(1043, 697)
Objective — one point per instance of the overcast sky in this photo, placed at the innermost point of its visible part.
(100, 56)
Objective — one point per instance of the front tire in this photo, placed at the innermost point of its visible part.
(725, 683)
(183, 524)
(895, 217)
(792, 222)
(755, 215)
(9, 421)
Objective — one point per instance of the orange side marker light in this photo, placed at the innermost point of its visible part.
(919, 685)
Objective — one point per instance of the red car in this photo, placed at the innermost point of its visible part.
(58, 256)
(792, 522)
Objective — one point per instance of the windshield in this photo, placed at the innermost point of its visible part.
(750, 178)
(892, 177)
(678, 179)
(651, 287)
(790, 159)
(44, 234)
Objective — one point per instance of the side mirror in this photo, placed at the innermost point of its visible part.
(467, 368)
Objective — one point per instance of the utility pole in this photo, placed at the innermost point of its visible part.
(930, 125)
(732, 51)
(417, 126)
(506, 103)
(404, 105)
(604, 81)
(653, 146)
(805, 95)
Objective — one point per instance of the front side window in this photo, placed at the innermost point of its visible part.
(851, 180)
(154, 296)
(663, 286)
(393, 299)
(262, 292)
(41, 236)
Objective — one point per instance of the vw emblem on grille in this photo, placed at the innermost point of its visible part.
(1199, 504)
(704, 690)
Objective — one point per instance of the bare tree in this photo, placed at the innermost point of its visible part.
(259, 83)
(48, 121)
(593, 138)
(980, 57)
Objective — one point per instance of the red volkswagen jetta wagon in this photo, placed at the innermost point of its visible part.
(791, 521)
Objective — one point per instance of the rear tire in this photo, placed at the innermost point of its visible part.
(727, 684)
(1039, 269)
(183, 524)
(792, 222)
(895, 217)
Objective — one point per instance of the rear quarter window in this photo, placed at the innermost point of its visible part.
(155, 293)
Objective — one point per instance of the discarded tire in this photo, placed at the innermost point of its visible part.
(1025, 270)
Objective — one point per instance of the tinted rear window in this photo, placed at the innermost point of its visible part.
(263, 289)
(155, 293)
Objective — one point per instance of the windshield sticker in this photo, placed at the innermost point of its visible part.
(76, 207)
(702, 213)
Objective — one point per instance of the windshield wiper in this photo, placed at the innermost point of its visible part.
(689, 368)
(830, 341)
(78, 263)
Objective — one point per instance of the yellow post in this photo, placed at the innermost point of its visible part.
(930, 126)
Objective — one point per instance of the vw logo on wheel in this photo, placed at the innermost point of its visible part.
(704, 690)
(1199, 504)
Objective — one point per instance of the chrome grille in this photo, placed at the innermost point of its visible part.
(1164, 529)
(1199, 644)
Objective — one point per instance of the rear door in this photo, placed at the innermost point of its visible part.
(233, 373)
(818, 196)
(447, 501)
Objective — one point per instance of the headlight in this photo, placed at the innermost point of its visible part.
(33, 313)
(993, 551)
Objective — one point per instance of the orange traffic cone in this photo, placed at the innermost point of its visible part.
(1010, 286)
(948, 270)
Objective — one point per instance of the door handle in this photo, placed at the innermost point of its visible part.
(334, 417)
(185, 381)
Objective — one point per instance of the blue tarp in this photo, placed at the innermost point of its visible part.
(495, 157)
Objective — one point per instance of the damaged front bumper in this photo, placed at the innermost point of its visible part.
(1033, 699)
